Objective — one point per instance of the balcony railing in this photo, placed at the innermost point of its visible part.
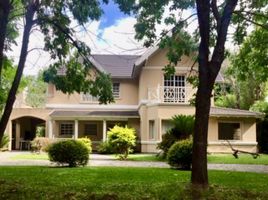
(170, 94)
(88, 98)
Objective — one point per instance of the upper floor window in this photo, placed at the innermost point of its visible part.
(116, 90)
(174, 89)
(175, 80)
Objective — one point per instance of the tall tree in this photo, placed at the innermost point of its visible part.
(248, 69)
(214, 18)
(53, 18)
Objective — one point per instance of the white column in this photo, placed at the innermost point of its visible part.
(50, 129)
(104, 134)
(18, 134)
(10, 135)
(75, 129)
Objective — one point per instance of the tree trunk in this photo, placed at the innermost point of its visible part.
(199, 165)
(5, 8)
(30, 11)
(208, 71)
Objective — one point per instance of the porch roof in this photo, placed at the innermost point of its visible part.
(230, 112)
(76, 113)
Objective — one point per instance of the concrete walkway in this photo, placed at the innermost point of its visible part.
(7, 159)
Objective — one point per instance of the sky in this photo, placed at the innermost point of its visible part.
(112, 34)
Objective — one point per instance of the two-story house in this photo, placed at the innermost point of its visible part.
(144, 99)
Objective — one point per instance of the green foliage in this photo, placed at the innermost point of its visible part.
(7, 77)
(168, 139)
(180, 154)
(40, 144)
(248, 70)
(183, 127)
(262, 125)
(40, 131)
(36, 91)
(260, 106)
(105, 148)
(122, 140)
(75, 79)
(227, 101)
(87, 142)
(4, 142)
(72, 152)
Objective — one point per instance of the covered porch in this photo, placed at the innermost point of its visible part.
(91, 124)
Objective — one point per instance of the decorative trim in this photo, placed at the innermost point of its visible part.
(149, 141)
(95, 107)
(233, 142)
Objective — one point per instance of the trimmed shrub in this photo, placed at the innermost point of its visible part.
(87, 143)
(122, 140)
(183, 128)
(40, 144)
(180, 154)
(72, 152)
(105, 148)
(168, 140)
(4, 143)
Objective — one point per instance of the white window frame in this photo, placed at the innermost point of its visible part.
(175, 88)
(61, 128)
(116, 91)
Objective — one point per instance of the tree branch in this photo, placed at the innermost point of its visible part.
(218, 53)
(265, 26)
(216, 13)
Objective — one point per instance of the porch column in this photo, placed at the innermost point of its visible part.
(17, 134)
(75, 129)
(50, 129)
(10, 135)
(104, 134)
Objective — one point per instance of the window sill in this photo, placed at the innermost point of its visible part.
(232, 142)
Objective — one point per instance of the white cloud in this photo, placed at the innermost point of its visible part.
(115, 39)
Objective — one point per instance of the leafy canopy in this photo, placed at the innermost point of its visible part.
(55, 20)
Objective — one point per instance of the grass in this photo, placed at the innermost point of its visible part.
(123, 183)
(243, 159)
(212, 158)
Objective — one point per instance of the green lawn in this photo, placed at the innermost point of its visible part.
(212, 158)
(243, 159)
(123, 183)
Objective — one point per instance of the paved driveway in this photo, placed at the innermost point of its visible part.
(108, 160)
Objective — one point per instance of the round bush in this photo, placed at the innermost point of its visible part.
(71, 152)
(87, 143)
(122, 140)
(180, 154)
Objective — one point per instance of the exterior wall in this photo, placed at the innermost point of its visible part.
(152, 74)
(248, 135)
(128, 95)
(165, 112)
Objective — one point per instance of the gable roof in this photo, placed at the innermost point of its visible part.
(119, 66)
(230, 112)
